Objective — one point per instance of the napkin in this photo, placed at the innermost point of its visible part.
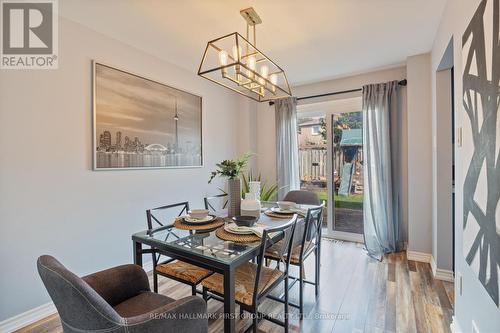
(193, 219)
(257, 229)
(300, 211)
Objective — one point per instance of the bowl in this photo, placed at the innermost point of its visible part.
(244, 220)
(198, 213)
(286, 205)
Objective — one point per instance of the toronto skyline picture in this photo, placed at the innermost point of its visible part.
(140, 123)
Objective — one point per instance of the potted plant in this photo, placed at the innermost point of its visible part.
(232, 169)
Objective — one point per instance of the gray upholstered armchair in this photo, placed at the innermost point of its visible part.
(117, 300)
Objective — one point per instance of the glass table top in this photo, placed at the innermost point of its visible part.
(204, 243)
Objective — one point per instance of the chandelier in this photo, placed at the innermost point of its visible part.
(235, 63)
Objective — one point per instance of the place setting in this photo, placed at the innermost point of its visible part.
(198, 219)
(285, 210)
(241, 229)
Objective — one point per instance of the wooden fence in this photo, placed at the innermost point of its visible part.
(312, 164)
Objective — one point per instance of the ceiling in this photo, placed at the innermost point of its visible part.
(312, 40)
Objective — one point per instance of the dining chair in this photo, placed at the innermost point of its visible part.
(118, 300)
(253, 282)
(172, 268)
(302, 197)
(310, 242)
(216, 203)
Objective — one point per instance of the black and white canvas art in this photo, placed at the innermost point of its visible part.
(481, 144)
(140, 123)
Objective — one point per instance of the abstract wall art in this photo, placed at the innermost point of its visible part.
(481, 145)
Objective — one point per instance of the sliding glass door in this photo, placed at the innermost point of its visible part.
(346, 178)
(331, 163)
(313, 157)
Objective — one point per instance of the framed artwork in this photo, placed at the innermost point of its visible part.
(140, 123)
(481, 145)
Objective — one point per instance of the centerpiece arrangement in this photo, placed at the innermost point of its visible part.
(267, 191)
(232, 170)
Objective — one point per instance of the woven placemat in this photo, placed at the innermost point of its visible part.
(276, 215)
(209, 226)
(228, 236)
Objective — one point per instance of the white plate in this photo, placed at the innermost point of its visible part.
(209, 218)
(233, 228)
(280, 211)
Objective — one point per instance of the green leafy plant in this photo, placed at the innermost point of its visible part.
(267, 191)
(231, 169)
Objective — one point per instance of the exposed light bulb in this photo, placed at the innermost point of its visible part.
(264, 71)
(236, 51)
(274, 80)
(223, 61)
(251, 63)
(223, 56)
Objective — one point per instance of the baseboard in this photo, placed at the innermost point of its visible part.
(441, 274)
(438, 273)
(444, 275)
(26, 318)
(433, 265)
(419, 256)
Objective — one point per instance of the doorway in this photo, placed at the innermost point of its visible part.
(444, 164)
(347, 172)
(331, 163)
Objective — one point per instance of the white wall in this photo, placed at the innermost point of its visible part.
(419, 154)
(246, 129)
(348, 83)
(474, 303)
(51, 201)
(266, 142)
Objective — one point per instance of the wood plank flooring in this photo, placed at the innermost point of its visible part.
(358, 294)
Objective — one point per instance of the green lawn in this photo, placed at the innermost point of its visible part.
(354, 201)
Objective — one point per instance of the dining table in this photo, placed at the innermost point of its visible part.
(205, 249)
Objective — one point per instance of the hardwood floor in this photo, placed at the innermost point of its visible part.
(358, 294)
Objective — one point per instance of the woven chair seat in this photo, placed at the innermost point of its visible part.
(272, 252)
(183, 271)
(244, 282)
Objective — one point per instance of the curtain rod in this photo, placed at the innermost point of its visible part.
(401, 83)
